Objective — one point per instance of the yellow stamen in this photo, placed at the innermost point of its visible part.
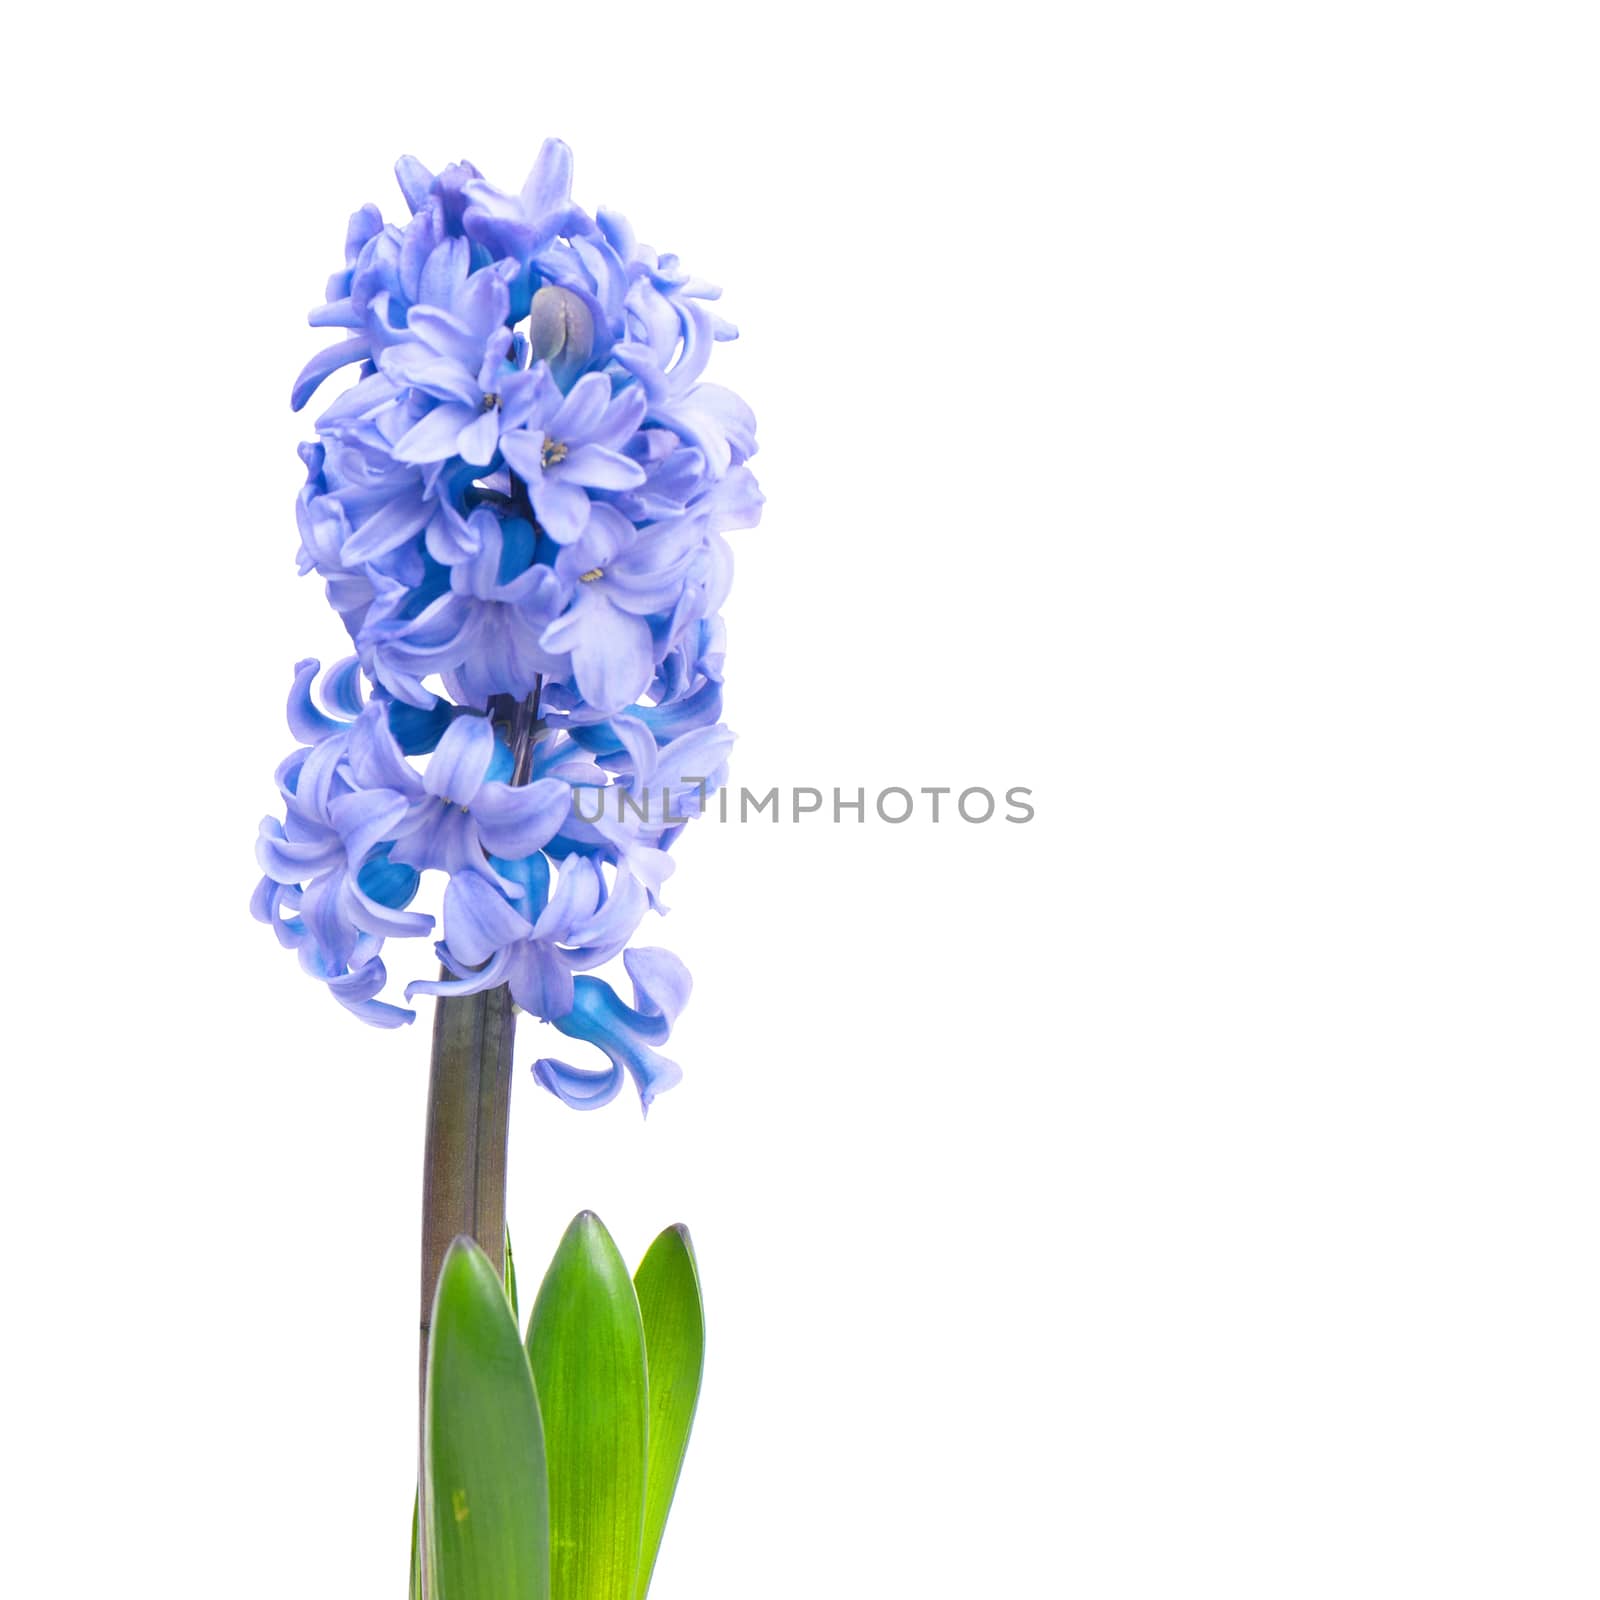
(553, 453)
(590, 575)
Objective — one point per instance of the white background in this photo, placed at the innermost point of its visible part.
(1187, 412)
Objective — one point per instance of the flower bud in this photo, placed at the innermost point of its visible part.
(560, 331)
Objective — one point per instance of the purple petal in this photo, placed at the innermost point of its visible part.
(376, 758)
(514, 822)
(307, 721)
(455, 770)
(415, 181)
(599, 468)
(576, 1087)
(611, 654)
(478, 919)
(605, 933)
(562, 508)
(576, 897)
(622, 419)
(385, 921)
(487, 977)
(541, 982)
(581, 411)
(366, 819)
(394, 522)
(421, 368)
(640, 744)
(444, 272)
(661, 983)
(479, 438)
(518, 393)
(523, 453)
(445, 334)
(453, 539)
(434, 438)
(285, 861)
(484, 304)
(549, 184)
(361, 399)
(324, 363)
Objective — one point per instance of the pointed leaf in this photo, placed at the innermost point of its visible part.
(511, 1282)
(416, 1552)
(586, 1348)
(485, 1504)
(668, 1286)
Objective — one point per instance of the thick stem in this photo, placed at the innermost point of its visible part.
(469, 1116)
(469, 1100)
(463, 1165)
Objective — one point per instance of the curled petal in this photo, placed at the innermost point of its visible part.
(307, 721)
(576, 897)
(489, 976)
(577, 1087)
(514, 822)
(601, 1018)
(479, 920)
(541, 981)
(323, 364)
(286, 861)
(355, 990)
(365, 819)
(661, 984)
(375, 756)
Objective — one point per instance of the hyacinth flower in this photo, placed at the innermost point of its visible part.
(517, 505)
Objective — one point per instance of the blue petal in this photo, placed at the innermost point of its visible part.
(354, 991)
(661, 983)
(600, 1017)
(515, 822)
(478, 920)
(366, 819)
(575, 1087)
(549, 184)
(415, 182)
(306, 722)
(323, 364)
(533, 873)
(418, 732)
(341, 689)
(455, 771)
(489, 977)
(387, 882)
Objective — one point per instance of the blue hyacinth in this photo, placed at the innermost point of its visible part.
(518, 510)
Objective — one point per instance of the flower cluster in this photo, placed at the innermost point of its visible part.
(518, 511)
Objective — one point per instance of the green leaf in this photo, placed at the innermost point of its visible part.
(668, 1286)
(511, 1282)
(586, 1348)
(485, 1505)
(416, 1553)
